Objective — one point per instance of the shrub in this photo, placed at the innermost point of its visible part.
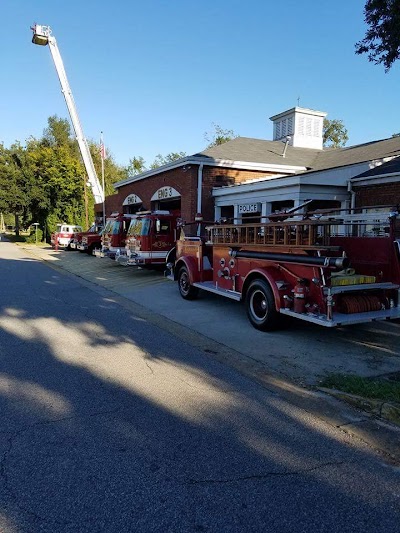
(32, 237)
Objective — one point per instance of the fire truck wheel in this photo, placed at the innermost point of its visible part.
(260, 306)
(188, 292)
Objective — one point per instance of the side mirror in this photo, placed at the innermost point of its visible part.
(158, 225)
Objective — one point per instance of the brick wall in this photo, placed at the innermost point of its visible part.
(384, 194)
(220, 177)
(184, 180)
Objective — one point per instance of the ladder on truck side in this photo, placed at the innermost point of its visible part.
(309, 234)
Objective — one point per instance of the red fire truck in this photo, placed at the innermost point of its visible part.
(77, 243)
(151, 236)
(90, 240)
(113, 235)
(327, 269)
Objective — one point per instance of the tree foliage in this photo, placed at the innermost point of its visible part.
(58, 132)
(44, 181)
(218, 136)
(382, 38)
(112, 171)
(160, 160)
(14, 183)
(335, 134)
(136, 166)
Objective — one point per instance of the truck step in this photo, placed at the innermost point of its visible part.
(210, 286)
(341, 319)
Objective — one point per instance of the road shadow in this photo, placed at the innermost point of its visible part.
(109, 423)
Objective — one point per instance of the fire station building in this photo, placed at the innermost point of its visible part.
(249, 178)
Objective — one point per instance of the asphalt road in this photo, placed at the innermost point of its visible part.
(112, 423)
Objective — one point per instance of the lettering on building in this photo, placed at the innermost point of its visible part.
(165, 193)
(132, 199)
(249, 208)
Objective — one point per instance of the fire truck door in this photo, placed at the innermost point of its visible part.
(163, 240)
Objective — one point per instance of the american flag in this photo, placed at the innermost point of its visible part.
(103, 151)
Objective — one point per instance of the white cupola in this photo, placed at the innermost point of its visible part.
(303, 126)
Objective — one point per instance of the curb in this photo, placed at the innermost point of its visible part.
(389, 411)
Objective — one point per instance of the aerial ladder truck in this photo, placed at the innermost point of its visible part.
(42, 36)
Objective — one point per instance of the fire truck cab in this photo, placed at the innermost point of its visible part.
(76, 244)
(113, 235)
(64, 235)
(151, 236)
(327, 269)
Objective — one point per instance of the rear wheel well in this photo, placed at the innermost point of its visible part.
(249, 279)
(177, 268)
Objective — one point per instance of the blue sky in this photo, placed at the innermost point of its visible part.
(155, 75)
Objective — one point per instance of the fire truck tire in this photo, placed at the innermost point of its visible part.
(260, 306)
(188, 292)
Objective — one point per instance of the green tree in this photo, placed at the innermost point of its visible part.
(57, 193)
(13, 183)
(218, 136)
(382, 38)
(136, 166)
(335, 135)
(58, 132)
(112, 171)
(59, 175)
(160, 160)
(44, 181)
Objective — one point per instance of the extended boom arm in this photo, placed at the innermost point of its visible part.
(42, 36)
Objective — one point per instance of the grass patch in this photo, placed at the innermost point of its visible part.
(29, 239)
(378, 389)
(14, 238)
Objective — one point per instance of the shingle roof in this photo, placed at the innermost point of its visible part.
(391, 167)
(358, 154)
(270, 152)
(260, 151)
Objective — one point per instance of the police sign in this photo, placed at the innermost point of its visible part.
(249, 208)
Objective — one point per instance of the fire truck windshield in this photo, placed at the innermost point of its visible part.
(112, 226)
(108, 226)
(139, 227)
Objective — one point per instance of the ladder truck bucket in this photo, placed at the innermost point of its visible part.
(40, 35)
(42, 40)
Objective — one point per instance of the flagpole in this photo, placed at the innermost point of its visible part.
(102, 152)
